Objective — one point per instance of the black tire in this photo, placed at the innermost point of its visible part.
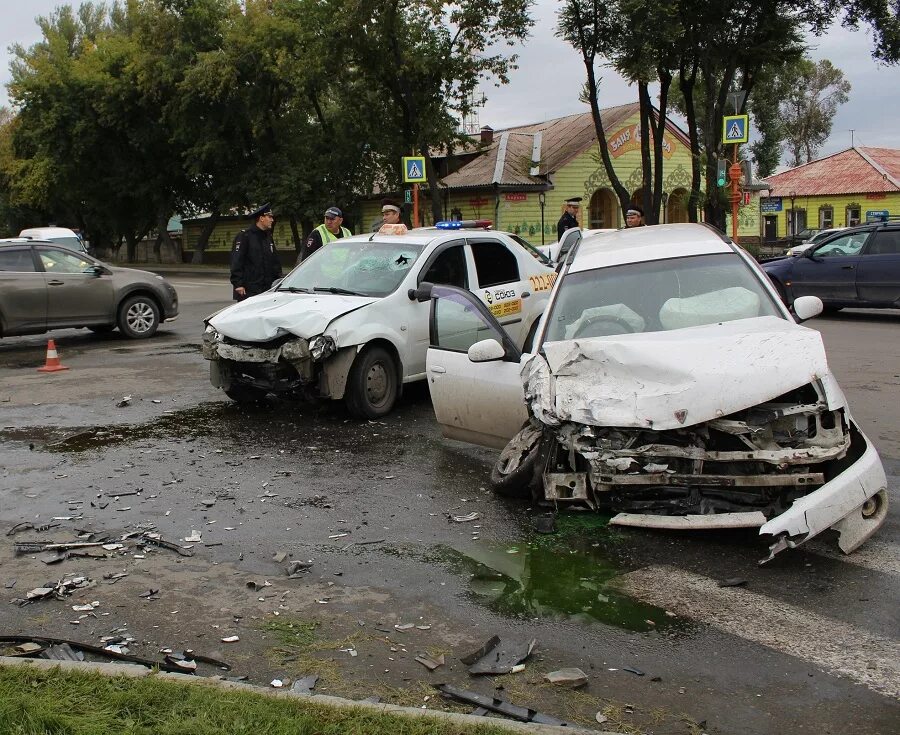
(102, 328)
(138, 317)
(240, 393)
(373, 384)
(516, 473)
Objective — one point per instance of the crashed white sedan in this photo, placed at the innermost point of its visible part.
(668, 385)
(345, 323)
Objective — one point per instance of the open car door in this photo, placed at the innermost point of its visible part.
(472, 368)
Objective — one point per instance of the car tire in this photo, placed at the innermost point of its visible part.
(516, 473)
(138, 317)
(102, 328)
(240, 393)
(373, 384)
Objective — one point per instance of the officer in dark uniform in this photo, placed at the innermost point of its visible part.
(254, 259)
(634, 216)
(569, 218)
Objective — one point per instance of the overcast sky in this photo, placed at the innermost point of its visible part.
(550, 76)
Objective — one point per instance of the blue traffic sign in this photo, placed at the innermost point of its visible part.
(414, 169)
(735, 128)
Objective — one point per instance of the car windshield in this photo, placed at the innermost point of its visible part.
(357, 267)
(657, 296)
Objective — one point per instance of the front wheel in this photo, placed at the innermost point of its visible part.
(373, 384)
(240, 393)
(138, 317)
(516, 473)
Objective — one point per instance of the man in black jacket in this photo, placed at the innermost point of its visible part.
(254, 260)
(569, 218)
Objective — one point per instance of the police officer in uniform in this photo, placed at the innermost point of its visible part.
(634, 216)
(332, 229)
(569, 218)
(254, 259)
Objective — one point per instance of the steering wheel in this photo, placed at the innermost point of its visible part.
(622, 327)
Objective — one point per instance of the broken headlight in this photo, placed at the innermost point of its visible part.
(321, 347)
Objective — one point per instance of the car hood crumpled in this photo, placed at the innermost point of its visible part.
(665, 380)
(271, 314)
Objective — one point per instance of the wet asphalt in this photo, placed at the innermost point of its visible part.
(371, 506)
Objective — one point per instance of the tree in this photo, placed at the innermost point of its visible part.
(427, 58)
(808, 110)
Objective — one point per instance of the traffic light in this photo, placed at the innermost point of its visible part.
(721, 171)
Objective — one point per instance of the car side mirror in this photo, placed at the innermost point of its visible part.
(97, 270)
(487, 350)
(422, 293)
(806, 307)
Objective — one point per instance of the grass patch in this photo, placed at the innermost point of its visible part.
(36, 702)
(293, 631)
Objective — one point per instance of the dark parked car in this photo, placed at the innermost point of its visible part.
(859, 266)
(45, 286)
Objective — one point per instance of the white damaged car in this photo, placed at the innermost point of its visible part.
(670, 386)
(345, 323)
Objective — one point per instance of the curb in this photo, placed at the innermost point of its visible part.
(135, 671)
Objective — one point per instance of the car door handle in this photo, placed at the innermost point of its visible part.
(438, 369)
(56, 283)
(847, 267)
(526, 294)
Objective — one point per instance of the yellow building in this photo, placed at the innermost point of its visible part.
(520, 177)
(848, 188)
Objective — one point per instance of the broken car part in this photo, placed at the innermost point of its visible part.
(500, 706)
(496, 657)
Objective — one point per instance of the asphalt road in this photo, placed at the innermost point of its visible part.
(808, 645)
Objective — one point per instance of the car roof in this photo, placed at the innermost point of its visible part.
(47, 232)
(29, 241)
(654, 242)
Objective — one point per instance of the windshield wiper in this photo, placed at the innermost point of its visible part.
(340, 291)
(292, 289)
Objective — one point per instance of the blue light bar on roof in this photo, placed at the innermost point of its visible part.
(463, 224)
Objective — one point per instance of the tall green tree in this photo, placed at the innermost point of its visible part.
(427, 58)
(807, 111)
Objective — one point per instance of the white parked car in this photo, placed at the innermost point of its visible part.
(345, 323)
(814, 240)
(59, 235)
(669, 385)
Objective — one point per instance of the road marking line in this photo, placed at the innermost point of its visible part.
(878, 556)
(836, 646)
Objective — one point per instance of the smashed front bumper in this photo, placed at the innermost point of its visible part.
(793, 467)
(285, 363)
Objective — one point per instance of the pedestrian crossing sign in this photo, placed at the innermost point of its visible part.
(735, 128)
(414, 169)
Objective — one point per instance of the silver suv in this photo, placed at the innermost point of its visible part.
(46, 286)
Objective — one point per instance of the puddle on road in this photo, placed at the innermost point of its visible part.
(564, 576)
(286, 425)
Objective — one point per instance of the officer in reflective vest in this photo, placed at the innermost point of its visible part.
(330, 230)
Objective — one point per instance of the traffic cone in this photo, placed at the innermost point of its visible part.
(52, 364)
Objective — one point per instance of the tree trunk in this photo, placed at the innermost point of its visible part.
(162, 236)
(299, 242)
(659, 130)
(687, 90)
(651, 217)
(203, 240)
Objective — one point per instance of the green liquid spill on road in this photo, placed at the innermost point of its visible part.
(562, 576)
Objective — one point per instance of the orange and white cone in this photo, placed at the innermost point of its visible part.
(52, 364)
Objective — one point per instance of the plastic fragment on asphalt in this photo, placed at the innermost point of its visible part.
(600, 717)
(473, 516)
(501, 706)
(571, 677)
(279, 557)
(277, 683)
(633, 670)
(404, 626)
(298, 568)
(428, 662)
(194, 537)
(496, 657)
(124, 402)
(230, 639)
(304, 685)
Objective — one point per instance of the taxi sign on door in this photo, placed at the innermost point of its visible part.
(414, 170)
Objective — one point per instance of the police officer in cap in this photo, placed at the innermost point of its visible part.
(634, 216)
(569, 218)
(332, 229)
(254, 259)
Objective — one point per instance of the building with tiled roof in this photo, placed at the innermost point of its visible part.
(841, 190)
(521, 176)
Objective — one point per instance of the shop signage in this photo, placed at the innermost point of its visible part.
(629, 139)
(516, 196)
(770, 204)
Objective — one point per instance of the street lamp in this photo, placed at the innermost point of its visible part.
(542, 198)
(793, 220)
(665, 202)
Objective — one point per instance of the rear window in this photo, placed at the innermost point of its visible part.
(17, 261)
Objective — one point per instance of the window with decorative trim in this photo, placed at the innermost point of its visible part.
(826, 217)
(854, 215)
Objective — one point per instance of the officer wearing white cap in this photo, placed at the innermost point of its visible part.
(254, 259)
(569, 218)
(330, 230)
(634, 216)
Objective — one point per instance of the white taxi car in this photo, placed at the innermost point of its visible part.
(345, 323)
(669, 385)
